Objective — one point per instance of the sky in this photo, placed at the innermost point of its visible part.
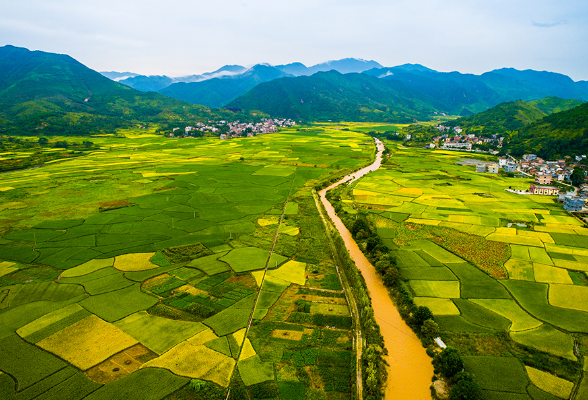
(184, 37)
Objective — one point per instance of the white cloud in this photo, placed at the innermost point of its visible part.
(181, 37)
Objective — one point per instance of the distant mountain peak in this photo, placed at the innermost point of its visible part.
(414, 67)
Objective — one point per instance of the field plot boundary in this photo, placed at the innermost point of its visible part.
(267, 264)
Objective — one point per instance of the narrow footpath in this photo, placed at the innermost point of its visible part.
(410, 369)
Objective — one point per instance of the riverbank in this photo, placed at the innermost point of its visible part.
(409, 367)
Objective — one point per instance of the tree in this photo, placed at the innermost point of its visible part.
(466, 387)
(382, 266)
(391, 276)
(43, 141)
(360, 224)
(451, 361)
(422, 314)
(373, 243)
(430, 329)
(577, 176)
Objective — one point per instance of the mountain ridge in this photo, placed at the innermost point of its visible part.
(48, 93)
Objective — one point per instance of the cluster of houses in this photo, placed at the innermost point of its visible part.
(544, 173)
(463, 142)
(234, 129)
(269, 125)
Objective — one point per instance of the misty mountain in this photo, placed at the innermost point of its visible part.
(335, 96)
(466, 94)
(344, 66)
(151, 83)
(117, 76)
(217, 92)
(46, 93)
(557, 84)
(296, 69)
(156, 83)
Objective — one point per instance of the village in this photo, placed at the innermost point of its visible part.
(463, 142)
(551, 178)
(227, 130)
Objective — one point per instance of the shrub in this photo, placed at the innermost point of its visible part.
(196, 385)
(430, 329)
(360, 224)
(391, 277)
(264, 390)
(382, 266)
(466, 388)
(422, 314)
(450, 361)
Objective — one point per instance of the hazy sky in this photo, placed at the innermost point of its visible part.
(182, 37)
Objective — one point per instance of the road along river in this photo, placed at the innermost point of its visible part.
(410, 369)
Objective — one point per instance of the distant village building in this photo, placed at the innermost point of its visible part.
(481, 168)
(544, 190)
(222, 136)
(543, 178)
(452, 146)
(529, 157)
(502, 161)
(573, 203)
(492, 168)
(510, 167)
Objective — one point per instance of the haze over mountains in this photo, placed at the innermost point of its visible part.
(230, 81)
(44, 93)
(448, 92)
(47, 93)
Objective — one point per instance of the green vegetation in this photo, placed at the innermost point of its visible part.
(148, 383)
(511, 116)
(554, 136)
(422, 215)
(78, 101)
(156, 333)
(389, 101)
(136, 275)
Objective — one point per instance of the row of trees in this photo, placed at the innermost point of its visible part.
(421, 319)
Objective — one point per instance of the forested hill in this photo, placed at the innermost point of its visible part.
(337, 97)
(47, 93)
(560, 134)
(513, 115)
(465, 94)
(217, 92)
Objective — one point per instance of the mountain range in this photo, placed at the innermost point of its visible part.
(44, 93)
(449, 92)
(217, 88)
(514, 115)
(47, 93)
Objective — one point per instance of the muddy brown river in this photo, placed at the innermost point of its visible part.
(410, 369)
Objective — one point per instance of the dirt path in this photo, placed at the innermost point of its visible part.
(358, 342)
(262, 280)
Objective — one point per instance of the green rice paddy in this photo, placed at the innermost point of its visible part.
(156, 244)
(487, 262)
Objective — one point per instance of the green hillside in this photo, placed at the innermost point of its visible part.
(54, 94)
(337, 97)
(560, 134)
(513, 115)
(217, 92)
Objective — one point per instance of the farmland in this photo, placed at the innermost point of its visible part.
(133, 271)
(503, 274)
